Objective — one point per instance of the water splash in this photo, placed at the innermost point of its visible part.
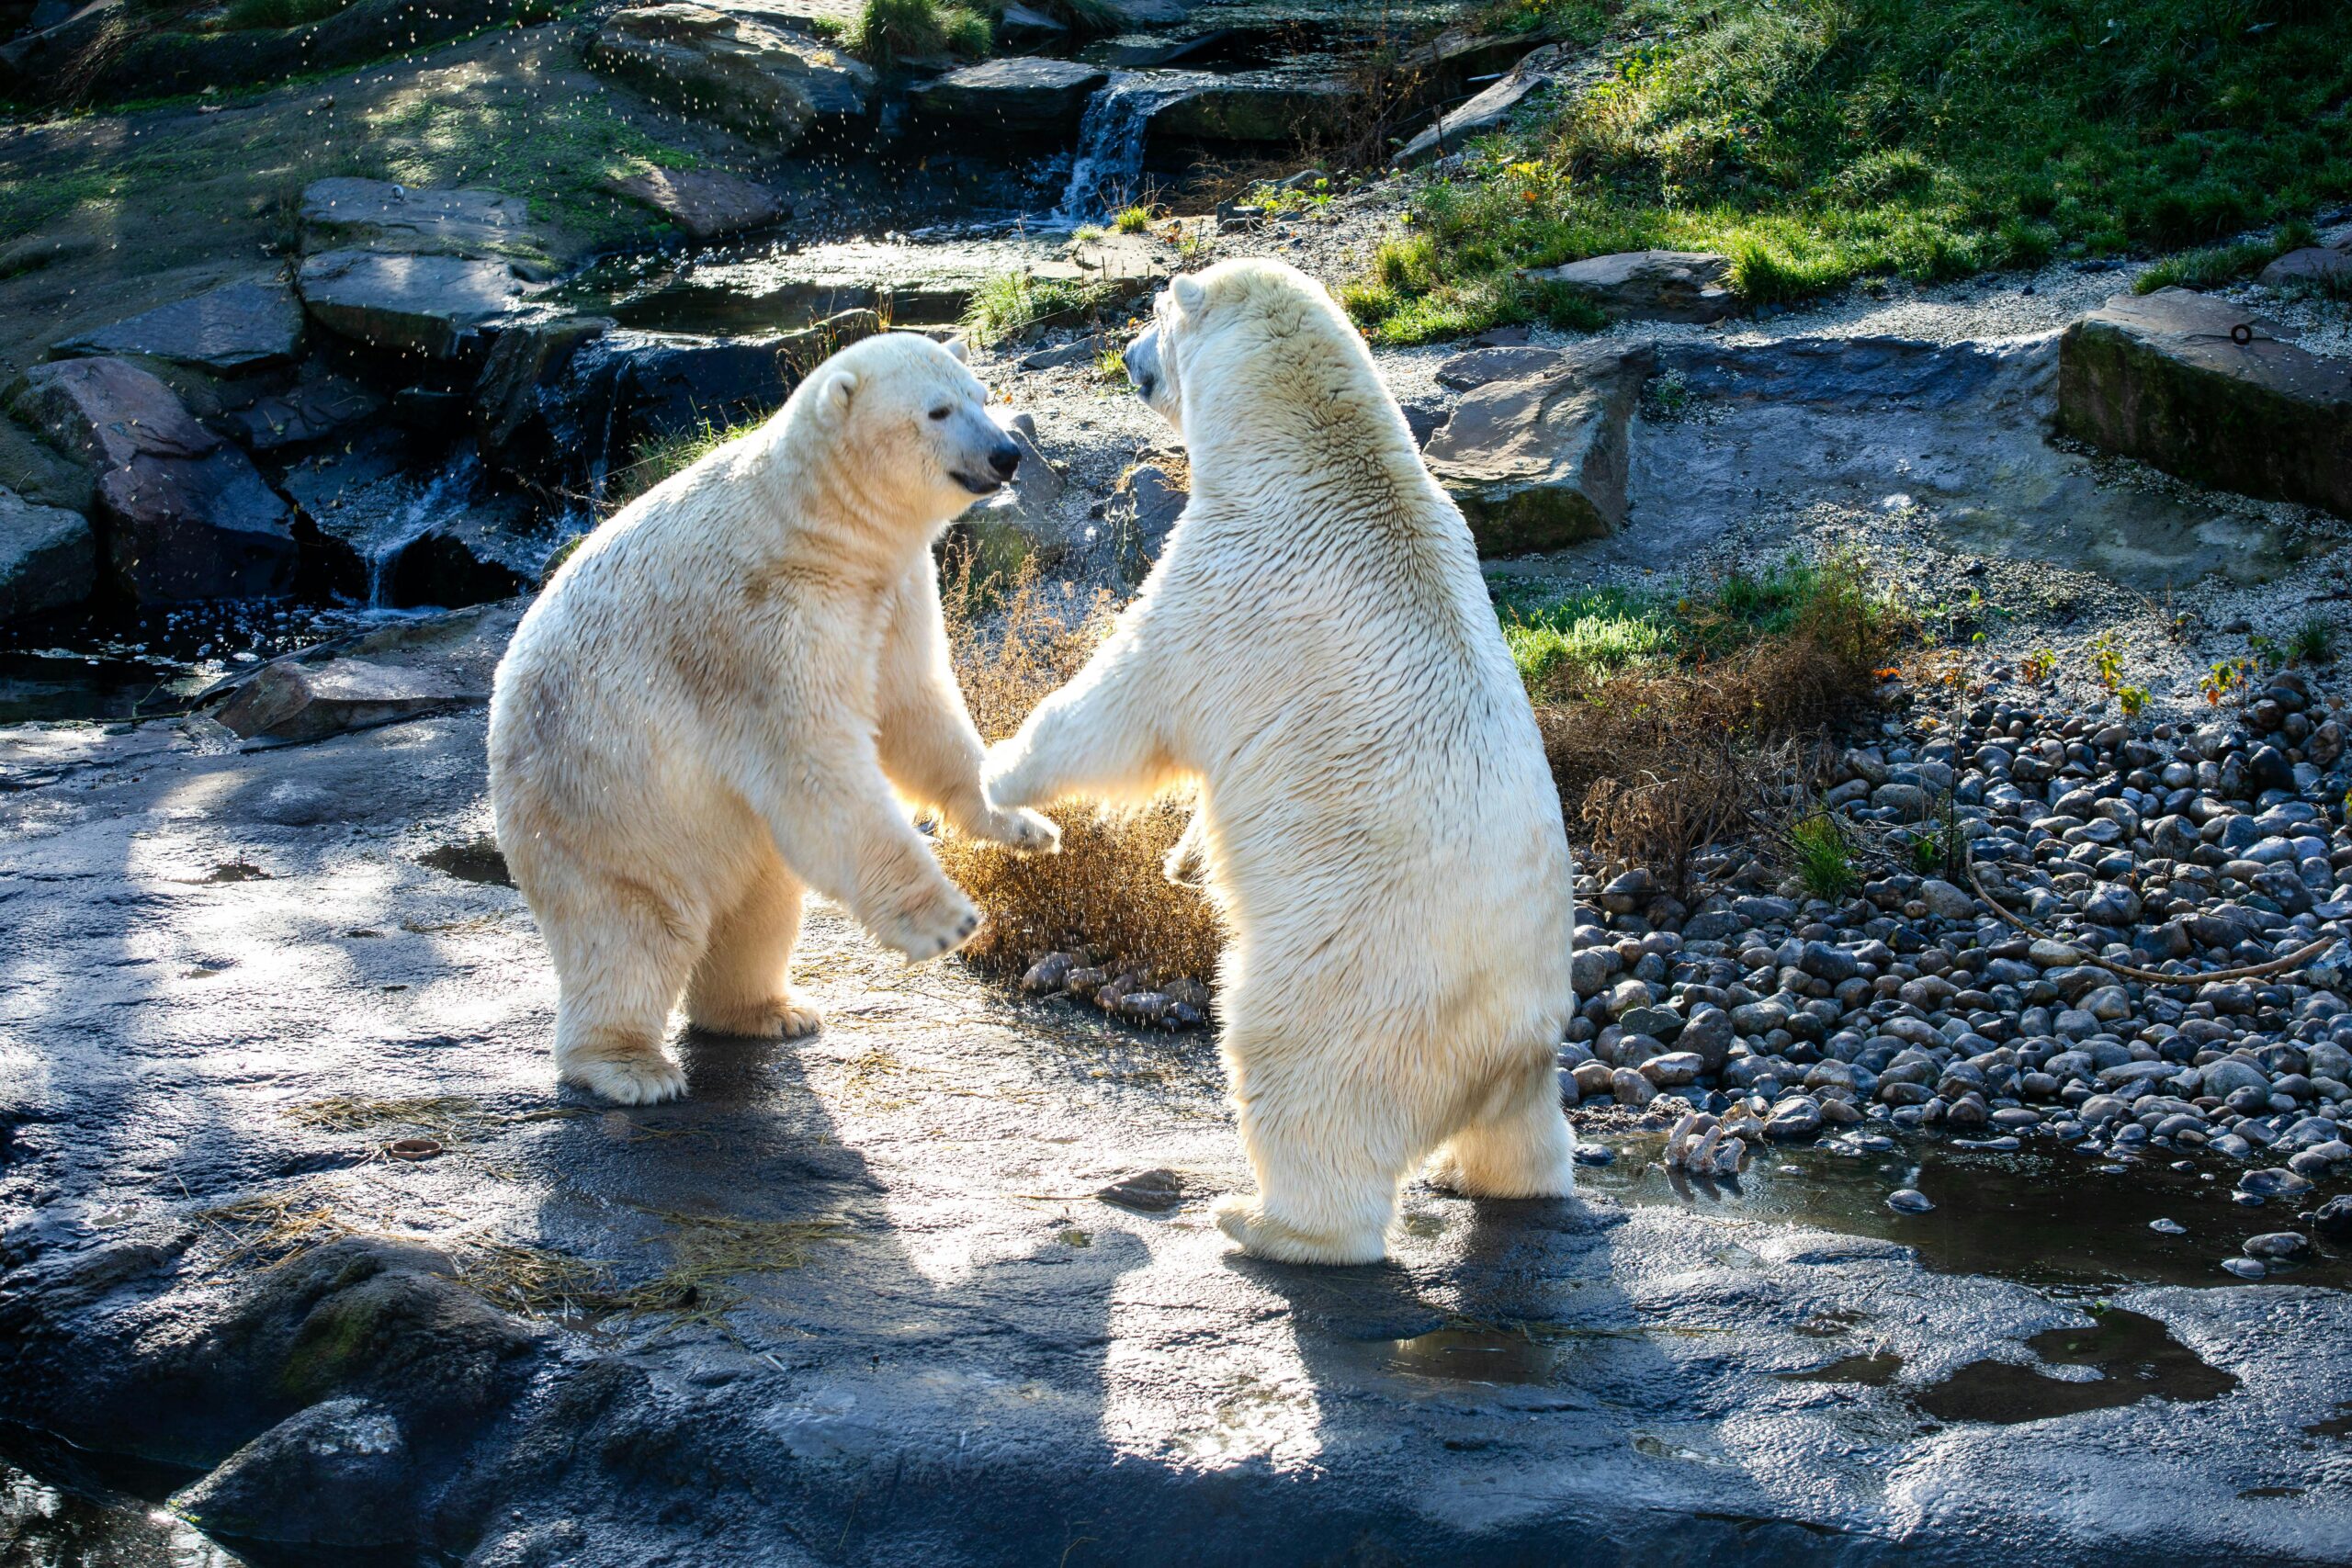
(433, 503)
(1107, 171)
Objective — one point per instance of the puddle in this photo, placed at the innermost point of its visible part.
(2043, 1217)
(1475, 1355)
(2134, 1356)
(57, 1525)
(471, 860)
(1872, 1372)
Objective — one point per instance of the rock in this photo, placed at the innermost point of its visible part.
(348, 213)
(188, 515)
(516, 398)
(765, 83)
(1708, 1034)
(426, 305)
(2168, 1227)
(1224, 111)
(2161, 377)
(1151, 1191)
(1629, 891)
(1947, 901)
(1019, 96)
(335, 1473)
(49, 557)
(2229, 1075)
(2267, 767)
(1909, 1200)
(2274, 1244)
(1491, 108)
(2275, 1182)
(1823, 962)
(707, 203)
(1047, 974)
(1539, 462)
(1799, 1116)
(2111, 904)
(1078, 351)
(1650, 285)
(315, 407)
(290, 701)
(1141, 511)
(241, 327)
(1907, 801)
(1628, 1087)
(2333, 1218)
(1661, 1024)
(2243, 1267)
(2321, 268)
(1673, 1069)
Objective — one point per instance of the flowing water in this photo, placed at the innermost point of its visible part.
(1106, 170)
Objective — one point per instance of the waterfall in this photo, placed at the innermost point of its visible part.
(1107, 171)
(434, 501)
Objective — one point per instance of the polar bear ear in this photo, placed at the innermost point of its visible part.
(955, 346)
(833, 393)
(1190, 295)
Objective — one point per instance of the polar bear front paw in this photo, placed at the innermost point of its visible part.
(1021, 828)
(646, 1080)
(934, 925)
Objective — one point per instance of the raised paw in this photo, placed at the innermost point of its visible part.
(784, 1017)
(936, 925)
(1245, 1221)
(1021, 828)
(644, 1080)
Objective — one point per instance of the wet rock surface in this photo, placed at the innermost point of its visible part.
(956, 1235)
(47, 557)
(239, 327)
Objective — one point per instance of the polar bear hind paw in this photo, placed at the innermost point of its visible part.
(646, 1079)
(786, 1017)
(1245, 1220)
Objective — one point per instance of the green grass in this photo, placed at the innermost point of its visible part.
(1013, 303)
(657, 457)
(1824, 855)
(1132, 220)
(1815, 142)
(888, 31)
(2218, 264)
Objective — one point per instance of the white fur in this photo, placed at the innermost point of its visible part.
(707, 709)
(1316, 649)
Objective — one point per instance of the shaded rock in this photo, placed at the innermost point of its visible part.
(1017, 523)
(1141, 513)
(730, 69)
(310, 701)
(1151, 1191)
(2161, 378)
(1250, 109)
(1539, 462)
(2324, 267)
(706, 203)
(1651, 286)
(413, 304)
(314, 408)
(514, 422)
(48, 559)
(1708, 1034)
(189, 516)
(335, 1473)
(1491, 108)
(252, 325)
(348, 213)
(1028, 96)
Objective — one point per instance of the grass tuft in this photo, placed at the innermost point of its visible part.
(1010, 303)
(888, 31)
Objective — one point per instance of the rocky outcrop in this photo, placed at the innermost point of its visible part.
(763, 82)
(2204, 389)
(345, 213)
(1251, 109)
(1538, 459)
(316, 406)
(1490, 110)
(1650, 285)
(255, 324)
(432, 306)
(1023, 97)
(512, 410)
(709, 204)
(187, 516)
(48, 559)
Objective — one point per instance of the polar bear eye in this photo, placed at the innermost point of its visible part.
(941, 413)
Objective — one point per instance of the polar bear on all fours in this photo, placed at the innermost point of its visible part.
(1317, 652)
(707, 709)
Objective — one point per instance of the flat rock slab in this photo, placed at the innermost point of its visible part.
(255, 324)
(2207, 389)
(1650, 285)
(48, 557)
(427, 305)
(1030, 96)
(877, 1290)
(763, 82)
(1226, 110)
(706, 204)
(1490, 110)
(311, 702)
(1539, 460)
(350, 213)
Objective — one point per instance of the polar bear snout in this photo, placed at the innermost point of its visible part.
(985, 457)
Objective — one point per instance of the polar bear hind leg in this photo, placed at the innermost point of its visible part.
(1520, 1145)
(623, 951)
(741, 987)
(1327, 1172)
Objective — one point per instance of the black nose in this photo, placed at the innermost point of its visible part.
(1005, 459)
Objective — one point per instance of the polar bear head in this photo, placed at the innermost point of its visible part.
(1245, 327)
(914, 422)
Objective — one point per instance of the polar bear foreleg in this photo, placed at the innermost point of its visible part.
(742, 985)
(1327, 1172)
(1521, 1148)
(1100, 736)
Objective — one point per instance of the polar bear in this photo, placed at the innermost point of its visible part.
(1317, 654)
(709, 708)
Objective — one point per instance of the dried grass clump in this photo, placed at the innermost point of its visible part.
(1015, 644)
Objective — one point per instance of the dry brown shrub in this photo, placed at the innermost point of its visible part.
(1656, 762)
(1014, 644)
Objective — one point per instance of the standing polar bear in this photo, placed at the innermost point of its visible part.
(1315, 650)
(707, 709)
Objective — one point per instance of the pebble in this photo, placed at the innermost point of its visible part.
(2243, 1267)
(2278, 1245)
(1909, 1200)
(2168, 1227)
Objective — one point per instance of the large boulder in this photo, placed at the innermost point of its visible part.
(317, 405)
(254, 324)
(48, 559)
(709, 204)
(290, 701)
(428, 305)
(345, 213)
(2327, 268)
(187, 516)
(1490, 110)
(1538, 460)
(2203, 389)
(763, 82)
(1026, 96)
(1650, 285)
(1253, 109)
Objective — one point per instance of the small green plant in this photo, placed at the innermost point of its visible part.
(2265, 651)
(2312, 642)
(2224, 680)
(1824, 851)
(2134, 700)
(1013, 303)
(657, 457)
(1132, 219)
(1112, 366)
(2107, 661)
(2037, 666)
